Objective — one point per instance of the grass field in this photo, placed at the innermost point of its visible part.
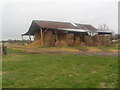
(97, 47)
(23, 70)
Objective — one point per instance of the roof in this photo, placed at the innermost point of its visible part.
(37, 24)
(54, 24)
(75, 30)
(86, 27)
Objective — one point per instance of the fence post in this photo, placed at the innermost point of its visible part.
(4, 49)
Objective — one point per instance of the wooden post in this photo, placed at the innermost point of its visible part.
(41, 36)
(29, 38)
(67, 38)
(80, 37)
(22, 39)
(56, 36)
(4, 49)
(34, 37)
(111, 39)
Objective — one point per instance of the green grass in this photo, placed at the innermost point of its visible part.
(109, 48)
(10, 50)
(58, 71)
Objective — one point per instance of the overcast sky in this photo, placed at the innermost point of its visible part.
(17, 15)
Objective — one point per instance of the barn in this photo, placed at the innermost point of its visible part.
(53, 33)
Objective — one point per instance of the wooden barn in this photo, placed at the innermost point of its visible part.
(52, 33)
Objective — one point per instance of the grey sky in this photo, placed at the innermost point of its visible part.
(17, 16)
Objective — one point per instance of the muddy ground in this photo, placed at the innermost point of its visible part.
(90, 51)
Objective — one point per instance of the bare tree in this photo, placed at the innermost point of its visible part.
(104, 27)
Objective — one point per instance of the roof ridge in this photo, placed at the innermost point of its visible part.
(53, 21)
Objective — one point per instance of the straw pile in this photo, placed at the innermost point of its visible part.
(36, 43)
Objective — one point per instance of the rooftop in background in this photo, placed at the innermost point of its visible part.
(37, 24)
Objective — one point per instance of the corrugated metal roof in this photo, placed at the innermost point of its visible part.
(36, 24)
(75, 30)
(86, 27)
(54, 24)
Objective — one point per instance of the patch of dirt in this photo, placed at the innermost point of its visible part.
(103, 85)
(93, 72)
(66, 49)
(114, 50)
(94, 49)
(1, 73)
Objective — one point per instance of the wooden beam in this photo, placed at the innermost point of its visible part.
(67, 38)
(41, 36)
(45, 30)
(34, 37)
(29, 37)
(22, 39)
(56, 37)
(81, 37)
(111, 39)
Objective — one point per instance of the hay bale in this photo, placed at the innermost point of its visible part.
(61, 40)
(70, 39)
(78, 41)
(88, 40)
(107, 41)
(49, 38)
(37, 35)
(97, 41)
(102, 40)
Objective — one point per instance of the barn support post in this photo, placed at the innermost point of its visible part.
(34, 37)
(22, 38)
(80, 37)
(111, 39)
(41, 36)
(67, 38)
(56, 37)
(29, 37)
